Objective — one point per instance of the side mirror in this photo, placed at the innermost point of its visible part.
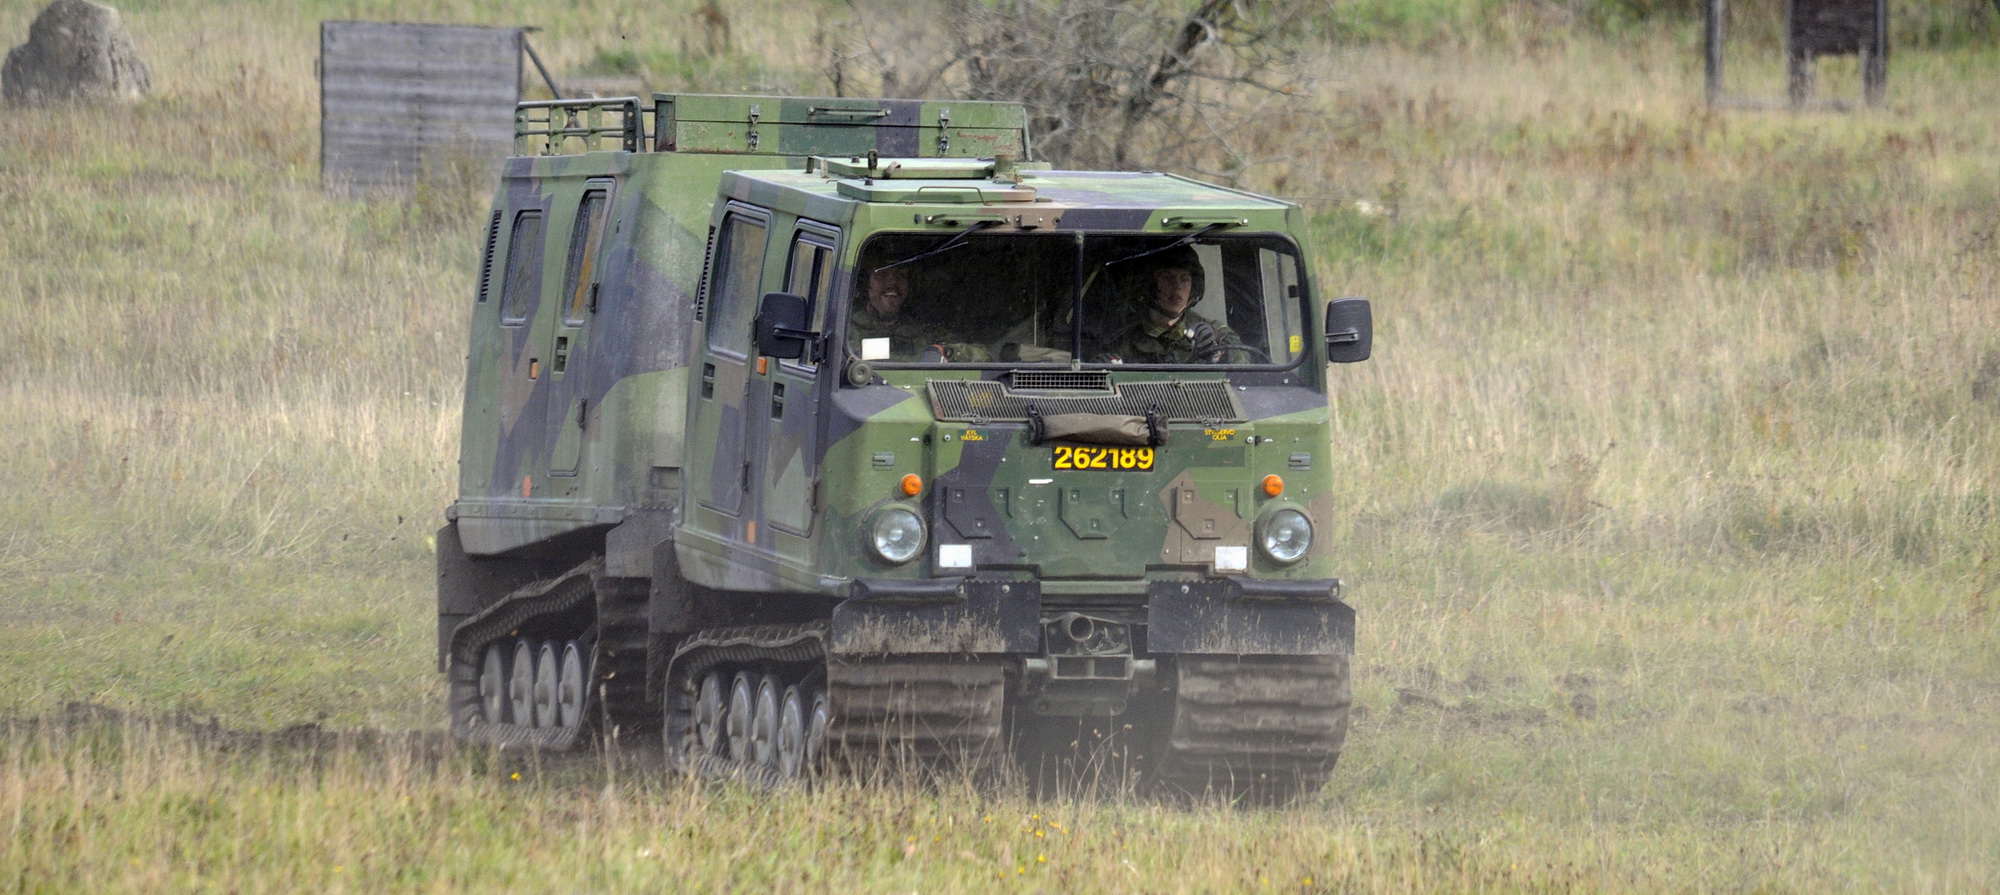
(780, 330)
(1350, 330)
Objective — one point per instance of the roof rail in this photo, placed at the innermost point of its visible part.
(773, 125)
(571, 126)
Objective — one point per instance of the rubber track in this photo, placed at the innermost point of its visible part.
(786, 644)
(1256, 728)
(619, 662)
(926, 709)
(616, 665)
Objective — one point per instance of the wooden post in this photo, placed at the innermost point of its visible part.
(1717, 16)
(1798, 60)
(1875, 58)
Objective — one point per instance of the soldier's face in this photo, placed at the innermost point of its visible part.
(1173, 288)
(887, 290)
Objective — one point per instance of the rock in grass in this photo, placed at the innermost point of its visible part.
(77, 52)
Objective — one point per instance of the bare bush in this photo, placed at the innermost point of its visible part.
(1117, 84)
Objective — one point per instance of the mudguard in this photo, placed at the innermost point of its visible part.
(1248, 618)
(941, 615)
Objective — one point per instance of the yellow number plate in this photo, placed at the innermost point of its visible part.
(1107, 458)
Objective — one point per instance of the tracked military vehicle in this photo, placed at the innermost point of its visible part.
(814, 430)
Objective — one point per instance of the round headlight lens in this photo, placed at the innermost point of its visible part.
(898, 535)
(1287, 535)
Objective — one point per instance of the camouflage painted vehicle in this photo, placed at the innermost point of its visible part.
(814, 429)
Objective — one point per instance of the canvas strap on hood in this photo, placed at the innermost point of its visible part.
(1120, 429)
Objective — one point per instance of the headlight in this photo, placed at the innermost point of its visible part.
(1287, 535)
(898, 535)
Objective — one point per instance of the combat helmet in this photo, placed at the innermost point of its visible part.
(1177, 258)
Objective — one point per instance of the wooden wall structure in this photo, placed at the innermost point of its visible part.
(1814, 28)
(401, 102)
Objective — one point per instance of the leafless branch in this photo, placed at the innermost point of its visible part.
(1116, 84)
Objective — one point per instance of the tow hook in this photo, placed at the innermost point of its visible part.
(1087, 666)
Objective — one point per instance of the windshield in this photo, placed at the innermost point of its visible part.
(1028, 298)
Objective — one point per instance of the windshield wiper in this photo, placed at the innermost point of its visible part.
(949, 244)
(1185, 240)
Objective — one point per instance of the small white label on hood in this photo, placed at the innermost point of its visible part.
(1232, 559)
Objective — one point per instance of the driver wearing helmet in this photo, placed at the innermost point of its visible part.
(1166, 332)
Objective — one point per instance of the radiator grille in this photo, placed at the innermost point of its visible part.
(1062, 380)
(978, 400)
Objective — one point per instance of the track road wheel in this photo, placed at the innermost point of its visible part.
(764, 723)
(545, 684)
(493, 684)
(521, 684)
(736, 722)
(817, 719)
(791, 745)
(569, 686)
(708, 733)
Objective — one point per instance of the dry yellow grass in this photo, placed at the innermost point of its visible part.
(1671, 518)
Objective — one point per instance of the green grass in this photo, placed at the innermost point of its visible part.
(1670, 509)
(186, 807)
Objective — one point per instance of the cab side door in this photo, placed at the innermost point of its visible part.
(720, 462)
(568, 374)
(789, 487)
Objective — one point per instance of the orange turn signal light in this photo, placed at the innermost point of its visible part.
(912, 485)
(1273, 486)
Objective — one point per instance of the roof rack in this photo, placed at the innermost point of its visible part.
(772, 125)
(570, 126)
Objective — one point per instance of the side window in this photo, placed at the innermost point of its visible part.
(1285, 317)
(822, 289)
(585, 238)
(524, 269)
(811, 275)
(803, 278)
(1210, 302)
(732, 291)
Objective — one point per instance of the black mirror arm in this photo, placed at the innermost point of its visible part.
(810, 340)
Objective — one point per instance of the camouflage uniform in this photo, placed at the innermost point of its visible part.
(1194, 340)
(907, 337)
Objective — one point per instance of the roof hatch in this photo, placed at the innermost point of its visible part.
(927, 180)
(910, 168)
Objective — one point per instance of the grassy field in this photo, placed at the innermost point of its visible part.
(1673, 518)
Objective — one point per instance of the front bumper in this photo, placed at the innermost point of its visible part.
(966, 616)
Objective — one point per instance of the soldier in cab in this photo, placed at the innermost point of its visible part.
(1166, 331)
(881, 327)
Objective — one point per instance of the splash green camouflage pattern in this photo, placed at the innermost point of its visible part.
(986, 486)
(699, 495)
(576, 426)
(613, 415)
